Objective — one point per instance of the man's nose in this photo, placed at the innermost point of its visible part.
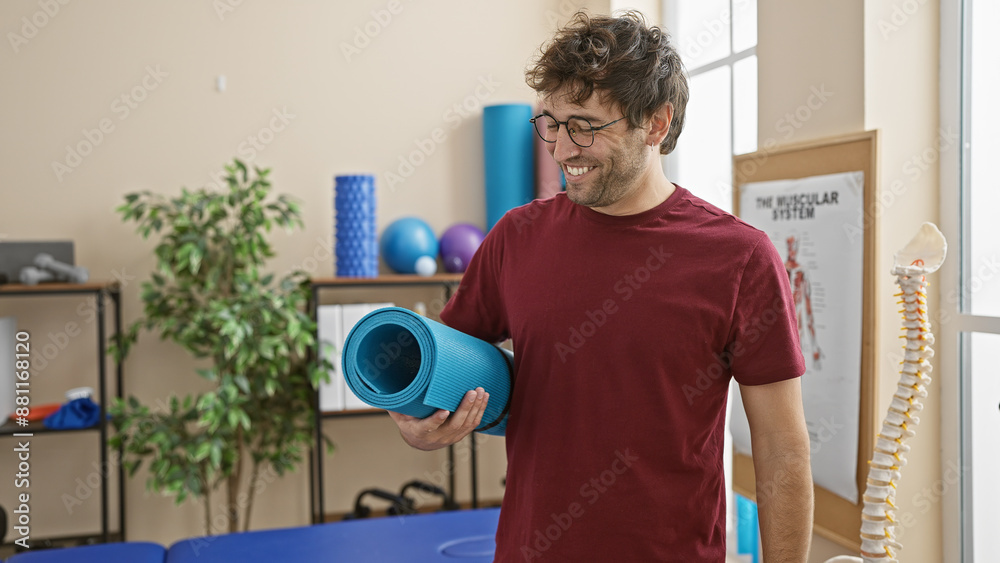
(564, 147)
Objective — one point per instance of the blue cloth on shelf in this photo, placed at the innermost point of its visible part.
(78, 413)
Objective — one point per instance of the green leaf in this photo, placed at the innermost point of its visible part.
(242, 382)
(203, 451)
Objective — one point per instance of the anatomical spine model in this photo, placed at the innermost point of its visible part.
(922, 256)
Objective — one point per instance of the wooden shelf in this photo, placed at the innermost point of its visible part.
(56, 288)
(10, 428)
(389, 279)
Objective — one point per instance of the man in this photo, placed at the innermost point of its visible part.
(631, 303)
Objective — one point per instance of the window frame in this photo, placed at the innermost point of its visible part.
(671, 162)
(956, 323)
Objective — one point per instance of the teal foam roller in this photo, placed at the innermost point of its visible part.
(397, 360)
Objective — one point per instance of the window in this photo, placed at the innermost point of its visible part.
(717, 41)
(969, 326)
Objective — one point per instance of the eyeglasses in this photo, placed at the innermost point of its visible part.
(581, 132)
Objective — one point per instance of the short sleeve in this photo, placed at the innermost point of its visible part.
(477, 308)
(763, 344)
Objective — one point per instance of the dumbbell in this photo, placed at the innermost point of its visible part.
(447, 503)
(75, 274)
(31, 275)
(398, 507)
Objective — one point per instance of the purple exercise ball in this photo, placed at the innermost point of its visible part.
(458, 243)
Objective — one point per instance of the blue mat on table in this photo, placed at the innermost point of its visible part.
(130, 552)
(465, 536)
(397, 360)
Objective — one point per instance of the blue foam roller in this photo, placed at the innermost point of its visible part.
(356, 245)
(508, 142)
(397, 360)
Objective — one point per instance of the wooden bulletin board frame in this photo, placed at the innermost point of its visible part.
(835, 518)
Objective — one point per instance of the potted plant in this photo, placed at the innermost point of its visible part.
(210, 294)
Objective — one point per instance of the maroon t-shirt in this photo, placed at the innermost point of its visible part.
(626, 332)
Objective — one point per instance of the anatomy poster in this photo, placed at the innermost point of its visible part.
(813, 222)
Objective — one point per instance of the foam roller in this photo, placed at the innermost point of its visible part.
(397, 360)
(356, 241)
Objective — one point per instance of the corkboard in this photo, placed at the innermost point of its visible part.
(835, 518)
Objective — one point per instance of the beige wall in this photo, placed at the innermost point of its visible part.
(880, 69)
(810, 70)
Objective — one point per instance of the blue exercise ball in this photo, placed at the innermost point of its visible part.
(405, 241)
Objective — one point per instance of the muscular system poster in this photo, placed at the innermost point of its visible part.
(813, 224)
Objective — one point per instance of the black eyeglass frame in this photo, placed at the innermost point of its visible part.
(593, 130)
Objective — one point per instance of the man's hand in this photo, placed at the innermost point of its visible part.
(439, 430)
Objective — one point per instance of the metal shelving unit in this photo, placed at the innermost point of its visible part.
(448, 282)
(101, 291)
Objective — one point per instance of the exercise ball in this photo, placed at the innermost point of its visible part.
(405, 241)
(458, 244)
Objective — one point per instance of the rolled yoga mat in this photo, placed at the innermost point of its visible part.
(397, 360)
(509, 153)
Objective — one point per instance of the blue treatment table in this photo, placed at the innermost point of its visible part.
(135, 552)
(465, 536)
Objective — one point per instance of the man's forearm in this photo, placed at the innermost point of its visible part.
(785, 505)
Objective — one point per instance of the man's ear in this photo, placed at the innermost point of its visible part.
(659, 124)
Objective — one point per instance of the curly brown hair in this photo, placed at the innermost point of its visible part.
(630, 63)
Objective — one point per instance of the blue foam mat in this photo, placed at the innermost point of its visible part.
(131, 552)
(397, 360)
(464, 536)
